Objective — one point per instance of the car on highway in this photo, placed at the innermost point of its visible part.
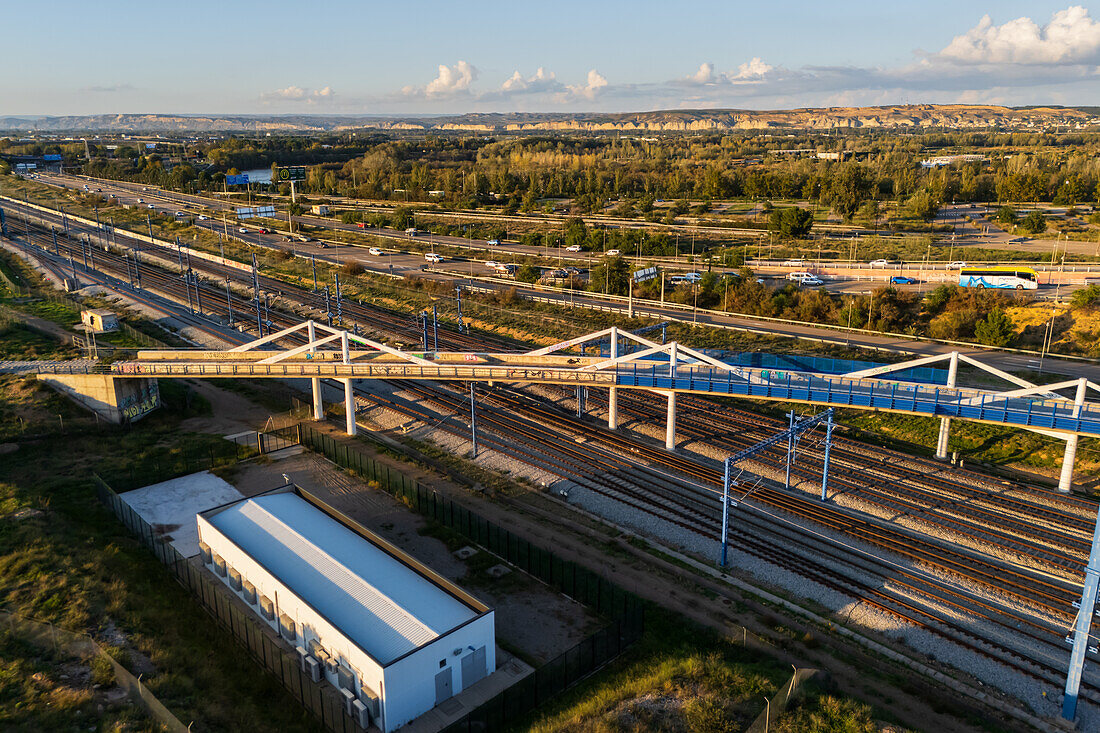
(688, 278)
(573, 248)
(141, 201)
(572, 271)
(242, 230)
(322, 245)
(903, 280)
(879, 263)
(794, 262)
(492, 264)
(812, 281)
(181, 213)
(304, 238)
(203, 218)
(375, 252)
(411, 231)
(150, 206)
(956, 265)
(261, 230)
(361, 224)
(433, 258)
(493, 242)
(612, 253)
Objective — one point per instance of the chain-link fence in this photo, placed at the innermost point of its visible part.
(71, 644)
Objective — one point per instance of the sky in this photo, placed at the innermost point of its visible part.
(435, 57)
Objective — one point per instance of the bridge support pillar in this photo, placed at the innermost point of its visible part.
(318, 403)
(349, 406)
(613, 392)
(670, 423)
(945, 422)
(1065, 479)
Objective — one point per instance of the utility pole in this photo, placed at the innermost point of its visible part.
(473, 419)
(313, 259)
(458, 292)
(435, 326)
(229, 301)
(256, 294)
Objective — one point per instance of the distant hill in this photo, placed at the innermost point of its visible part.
(896, 117)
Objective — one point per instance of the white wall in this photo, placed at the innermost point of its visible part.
(415, 674)
(406, 687)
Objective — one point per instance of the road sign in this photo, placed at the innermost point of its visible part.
(52, 157)
(240, 180)
(640, 276)
(254, 211)
(290, 173)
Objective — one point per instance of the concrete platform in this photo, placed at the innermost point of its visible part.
(170, 506)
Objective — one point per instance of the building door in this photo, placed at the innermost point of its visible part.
(443, 685)
(473, 667)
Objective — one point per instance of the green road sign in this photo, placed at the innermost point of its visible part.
(290, 173)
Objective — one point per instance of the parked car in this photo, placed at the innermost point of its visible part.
(433, 258)
(903, 280)
(799, 276)
(796, 262)
(375, 252)
(573, 248)
(612, 253)
(879, 263)
(812, 281)
(956, 265)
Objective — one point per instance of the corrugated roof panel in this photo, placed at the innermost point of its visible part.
(381, 604)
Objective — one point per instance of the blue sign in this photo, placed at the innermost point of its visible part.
(150, 146)
(52, 157)
(240, 180)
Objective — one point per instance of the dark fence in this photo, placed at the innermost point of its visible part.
(624, 609)
(319, 698)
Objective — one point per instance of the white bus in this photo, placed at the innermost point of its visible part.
(1010, 278)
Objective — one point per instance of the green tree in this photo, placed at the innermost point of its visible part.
(1007, 215)
(923, 205)
(847, 190)
(792, 222)
(996, 329)
(1035, 223)
(575, 231)
(528, 273)
(610, 276)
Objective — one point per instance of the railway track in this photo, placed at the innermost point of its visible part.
(655, 494)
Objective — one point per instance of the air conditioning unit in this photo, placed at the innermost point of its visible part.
(234, 577)
(312, 668)
(205, 550)
(349, 699)
(267, 608)
(219, 564)
(361, 713)
(370, 698)
(249, 593)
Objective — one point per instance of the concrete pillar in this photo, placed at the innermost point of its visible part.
(318, 403)
(349, 391)
(670, 423)
(613, 392)
(945, 422)
(1065, 479)
(349, 405)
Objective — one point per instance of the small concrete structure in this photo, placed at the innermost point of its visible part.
(319, 209)
(116, 400)
(394, 637)
(99, 320)
(170, 506)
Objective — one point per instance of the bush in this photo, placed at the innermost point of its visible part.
(791, 222)
(1007, 215)
(996, 329)
(1086, 297)
(1035, 223)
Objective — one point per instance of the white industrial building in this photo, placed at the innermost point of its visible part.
(394, 637)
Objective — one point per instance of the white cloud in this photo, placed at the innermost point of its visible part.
(752, 69)
(594, 84)
(705, 75)
(542, 81)
(451, 80)
(298, 94)
(1071, 36)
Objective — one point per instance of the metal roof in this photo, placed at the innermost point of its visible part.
(381, 604)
